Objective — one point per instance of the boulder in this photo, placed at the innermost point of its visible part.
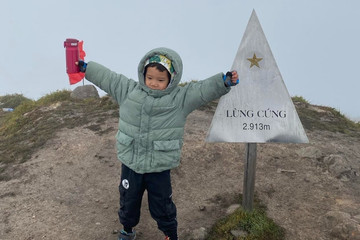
(83, 92)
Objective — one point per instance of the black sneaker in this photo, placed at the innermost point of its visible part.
(167, 238)
(126, 236)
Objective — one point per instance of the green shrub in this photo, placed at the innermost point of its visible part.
(300, 100)
(17, 119)
(12, 100)
(57, 96)
(255, 223)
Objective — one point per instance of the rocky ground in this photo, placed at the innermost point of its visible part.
(69, 188)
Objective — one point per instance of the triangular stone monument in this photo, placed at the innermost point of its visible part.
(259, 109)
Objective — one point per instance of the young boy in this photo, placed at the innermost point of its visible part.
(151, 127)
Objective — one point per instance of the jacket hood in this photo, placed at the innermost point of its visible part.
(178, 68)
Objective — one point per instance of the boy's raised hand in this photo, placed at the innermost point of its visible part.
(231, 78)
(235, 77)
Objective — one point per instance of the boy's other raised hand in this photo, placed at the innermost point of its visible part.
(82, 65)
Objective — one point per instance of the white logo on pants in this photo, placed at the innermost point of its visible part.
(125, 183)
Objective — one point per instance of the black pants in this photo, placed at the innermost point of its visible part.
(158, 186)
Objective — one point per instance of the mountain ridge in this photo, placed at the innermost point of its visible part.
(60, 174)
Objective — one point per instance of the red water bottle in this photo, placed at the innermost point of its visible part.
(72, 55)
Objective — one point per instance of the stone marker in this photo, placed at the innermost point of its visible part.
(259, 109)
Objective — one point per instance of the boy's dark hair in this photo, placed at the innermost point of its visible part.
(159, 67)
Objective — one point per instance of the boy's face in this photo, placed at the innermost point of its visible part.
(155, 79)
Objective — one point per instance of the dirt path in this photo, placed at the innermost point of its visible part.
(69, 189)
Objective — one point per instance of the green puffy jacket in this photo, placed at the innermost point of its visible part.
(151, 123)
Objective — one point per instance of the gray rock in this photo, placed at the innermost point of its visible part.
(232, 209)
(238, 233)
(83, 92)
(338, 166)
(199, 234)
(333, 218)
(309, 152)
(202, 208)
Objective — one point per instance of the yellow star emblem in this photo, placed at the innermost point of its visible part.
(254, 61)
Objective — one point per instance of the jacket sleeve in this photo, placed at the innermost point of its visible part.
(205, 91)
(117, 85)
